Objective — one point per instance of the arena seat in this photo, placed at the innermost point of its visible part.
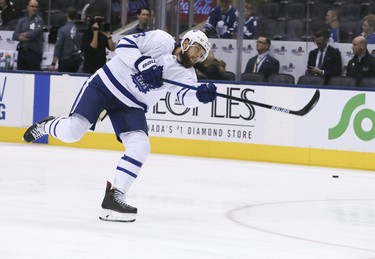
(293, 10)
(268, 10)
(281, 78)
(318, 11)
(310, 80)
(342, 81)
(252, 77)
(230, 76)
(367, 82)
(350, 12)
(266, 27)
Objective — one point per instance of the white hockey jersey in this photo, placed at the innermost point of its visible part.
(124, 80)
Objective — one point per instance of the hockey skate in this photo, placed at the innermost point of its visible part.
(36, 130)
(114, 206)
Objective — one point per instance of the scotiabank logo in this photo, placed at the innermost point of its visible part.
(363, 121)
(2, 105)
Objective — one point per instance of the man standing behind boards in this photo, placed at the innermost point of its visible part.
(29, 32)
(68, 45)
(95, 42)
(143, 15)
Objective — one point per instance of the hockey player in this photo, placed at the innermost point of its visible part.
(126, 87)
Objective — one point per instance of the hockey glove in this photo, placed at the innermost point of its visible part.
(206, 92)
(151, 72)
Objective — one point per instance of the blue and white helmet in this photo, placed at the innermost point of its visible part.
(197, 36)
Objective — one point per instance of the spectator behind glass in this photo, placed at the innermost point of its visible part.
(336, 32)
(143, 16)
(133, 8)
(29, 33)
(8, 12)
(68, 45)
(368, 28)
(211, 68)
(363, 63)
(325, 60)
(250, 29)
(222, 21)
(263, 63)
(95, 41)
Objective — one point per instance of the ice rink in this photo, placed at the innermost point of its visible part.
(187, 208)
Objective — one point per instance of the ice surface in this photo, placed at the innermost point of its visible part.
(188, 208)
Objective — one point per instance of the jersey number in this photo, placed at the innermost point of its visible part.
(139, 35)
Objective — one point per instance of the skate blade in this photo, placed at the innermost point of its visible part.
(114, 216)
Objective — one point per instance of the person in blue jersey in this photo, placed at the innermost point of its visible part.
(29, 33)
(336, 32)
(368, 28)
(126, 87)
(222, 21)
(250, 26)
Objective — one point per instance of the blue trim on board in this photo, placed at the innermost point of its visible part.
(41, 100)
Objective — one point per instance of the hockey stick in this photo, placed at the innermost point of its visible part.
(308, 107)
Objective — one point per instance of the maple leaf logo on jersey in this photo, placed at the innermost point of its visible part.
(140, 84)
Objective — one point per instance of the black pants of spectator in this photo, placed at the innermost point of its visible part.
(29, 60)
(70, 64)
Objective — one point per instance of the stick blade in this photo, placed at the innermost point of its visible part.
(309, 106)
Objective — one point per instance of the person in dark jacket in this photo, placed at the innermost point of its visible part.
(363, 63)
(143, 15)
(325, 60)
(68, 45)
(8, 13)
(263, 63)
(29, 33)
(95, 42)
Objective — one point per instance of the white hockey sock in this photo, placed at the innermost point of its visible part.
(137, 150)
(68, 129)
